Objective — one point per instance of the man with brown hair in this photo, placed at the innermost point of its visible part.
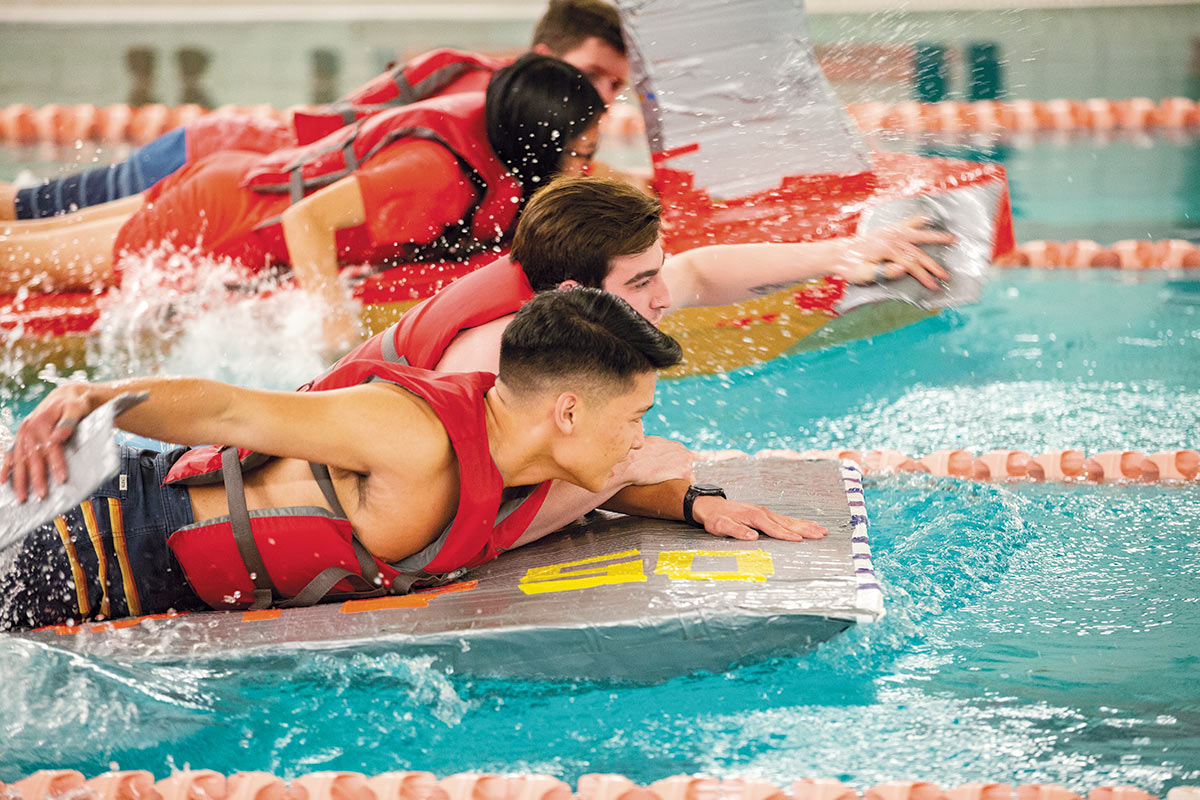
(606, 234)
(587, 35)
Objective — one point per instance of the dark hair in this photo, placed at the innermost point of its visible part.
(567, 23)
(587, 336)
(572, 227)
(535, 107)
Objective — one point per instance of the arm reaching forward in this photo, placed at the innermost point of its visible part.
(719, 516)
(731, 273)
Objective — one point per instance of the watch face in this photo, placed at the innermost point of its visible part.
(707, 488)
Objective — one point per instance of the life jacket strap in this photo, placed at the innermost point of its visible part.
(243, 535)
(322, 585)
(366, 562)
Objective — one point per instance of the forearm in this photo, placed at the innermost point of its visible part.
(659, 500)
(732, 273)
(177, 409)
(310, 231)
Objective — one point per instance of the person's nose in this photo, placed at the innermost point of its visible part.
(639, 439)
(662, 297)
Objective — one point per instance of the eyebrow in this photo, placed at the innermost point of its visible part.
(641, 276)
(647, 273)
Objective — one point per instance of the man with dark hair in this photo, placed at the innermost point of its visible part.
(584, 33)
(400, 477)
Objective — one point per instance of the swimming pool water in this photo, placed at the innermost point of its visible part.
(1034, 633)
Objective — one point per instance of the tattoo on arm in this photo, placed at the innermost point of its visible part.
(764, 289)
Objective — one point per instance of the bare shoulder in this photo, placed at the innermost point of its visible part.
(407, 431)
(476, 349)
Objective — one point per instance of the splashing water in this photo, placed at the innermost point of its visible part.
(186, 313)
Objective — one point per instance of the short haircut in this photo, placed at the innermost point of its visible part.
(568, 23)
(573, 227)
(534, 108)
(586, 338)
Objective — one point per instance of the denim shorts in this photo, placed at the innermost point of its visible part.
(107, 557)
(142, 168)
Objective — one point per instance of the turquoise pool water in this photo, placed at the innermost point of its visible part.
(1034, 633)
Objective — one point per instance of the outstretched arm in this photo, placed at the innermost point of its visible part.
(657, 460)
(723, 274)
(719, 516)
(318, 426)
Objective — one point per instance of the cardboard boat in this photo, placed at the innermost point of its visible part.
(612, 598)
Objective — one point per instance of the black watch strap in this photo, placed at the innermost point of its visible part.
(689, 499)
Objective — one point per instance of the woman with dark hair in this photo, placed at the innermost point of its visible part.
(435, 180)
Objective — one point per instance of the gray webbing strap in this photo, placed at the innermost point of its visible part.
(321, 474)
(404, 89)
(296, 184)
(349, 157)
(370, 570)
(323, 584)
(243, 535)
(439, 79)
(388, 345)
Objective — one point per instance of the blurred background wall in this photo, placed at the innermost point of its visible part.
(283, 53)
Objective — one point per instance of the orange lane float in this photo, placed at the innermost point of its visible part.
(1028, 116)
(209, 785)
(1172, 466)
(23, 124)
(1130, 254)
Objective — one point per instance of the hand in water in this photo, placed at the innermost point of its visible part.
(656, 461)
(37, 447)
(340, 330)
(892, 252)
(722, 517)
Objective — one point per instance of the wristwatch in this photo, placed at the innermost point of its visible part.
(698, 490)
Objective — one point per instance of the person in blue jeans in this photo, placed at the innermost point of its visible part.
(584, 33)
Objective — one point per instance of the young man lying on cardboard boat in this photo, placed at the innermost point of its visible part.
(393, 477)
(606, 234)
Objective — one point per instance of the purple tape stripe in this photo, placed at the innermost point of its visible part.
(860, 539)
(869, 586)
(858, 519)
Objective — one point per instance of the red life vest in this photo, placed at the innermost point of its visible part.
(456, 122)
(431, 74)
(421, 336)
(305, 553)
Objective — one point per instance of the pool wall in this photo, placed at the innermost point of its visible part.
(290, 53)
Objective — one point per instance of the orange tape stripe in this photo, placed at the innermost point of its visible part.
(85, 608)
(117, 520)
(93, 529)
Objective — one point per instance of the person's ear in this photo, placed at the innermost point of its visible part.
(542, 50)
(566, 412)
(568, 284)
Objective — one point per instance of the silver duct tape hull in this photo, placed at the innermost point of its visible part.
(970, 214)
(741, 82)
(93, 458)
(616, 598)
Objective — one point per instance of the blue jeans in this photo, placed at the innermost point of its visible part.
(146, 166)
(107, 557)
